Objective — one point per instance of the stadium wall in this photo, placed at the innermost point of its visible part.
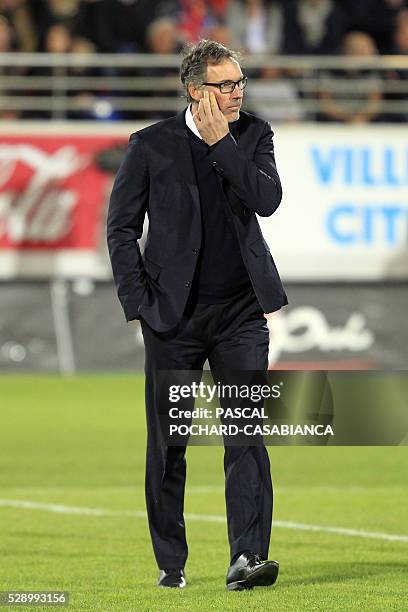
(344, 214)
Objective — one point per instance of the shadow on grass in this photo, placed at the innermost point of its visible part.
(343, 572)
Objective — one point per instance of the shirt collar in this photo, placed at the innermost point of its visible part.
(190, 122)
(233, 127)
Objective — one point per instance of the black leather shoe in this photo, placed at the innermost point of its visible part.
(173, 578)
(250, 570)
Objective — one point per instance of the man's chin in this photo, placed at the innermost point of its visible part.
(233, 115)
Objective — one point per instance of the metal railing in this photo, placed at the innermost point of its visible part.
(132, 86)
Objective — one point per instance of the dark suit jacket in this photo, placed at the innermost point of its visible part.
(157, 177)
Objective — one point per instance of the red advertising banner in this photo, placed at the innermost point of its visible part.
(52, 192)
(53, 198)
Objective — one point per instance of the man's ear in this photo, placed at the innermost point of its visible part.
(195, 92)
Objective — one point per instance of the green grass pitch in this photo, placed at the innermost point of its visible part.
(79, 443)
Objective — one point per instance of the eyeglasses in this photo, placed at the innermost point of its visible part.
(229, 86)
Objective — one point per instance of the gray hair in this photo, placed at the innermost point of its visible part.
(196, 59)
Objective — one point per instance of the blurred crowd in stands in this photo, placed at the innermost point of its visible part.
(272, 27)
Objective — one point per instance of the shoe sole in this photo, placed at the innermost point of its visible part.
(264, 576)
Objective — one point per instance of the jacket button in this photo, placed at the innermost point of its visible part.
(195, 251)
(187, 283)
(214, 164)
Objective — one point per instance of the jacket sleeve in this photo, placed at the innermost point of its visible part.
(127, 209)
(255, 181)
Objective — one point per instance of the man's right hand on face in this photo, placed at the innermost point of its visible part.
(210, 121)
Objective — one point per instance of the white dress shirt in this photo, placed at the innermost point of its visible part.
(190, 122)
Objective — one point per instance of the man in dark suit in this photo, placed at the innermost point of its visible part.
(201, 289)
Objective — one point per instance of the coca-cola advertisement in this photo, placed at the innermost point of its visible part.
(53, 197)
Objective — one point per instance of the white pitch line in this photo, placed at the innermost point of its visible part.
(61, 509)
(361, 533)
(119, 489)
(209, 518)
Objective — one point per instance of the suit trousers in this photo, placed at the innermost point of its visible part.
(231, 335)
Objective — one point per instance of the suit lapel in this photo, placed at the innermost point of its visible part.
(240, 131)
(183, 155)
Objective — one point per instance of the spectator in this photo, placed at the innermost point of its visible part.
(84, 97)
(19, 15)
(400, 41)
(162, 36)
(6, 46)
(402, 17)
(82, 46)
(196, 20)
(6, 41)
(312, 27)
(6, 36)
(399, 78)
(221, 34)
(357, 97)
(219, 8)
(58, 39)
(62, 11)
(87, 18)
(122, 24)
(375, 17)
(46, 13)
(256, 25)
(274, 97)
